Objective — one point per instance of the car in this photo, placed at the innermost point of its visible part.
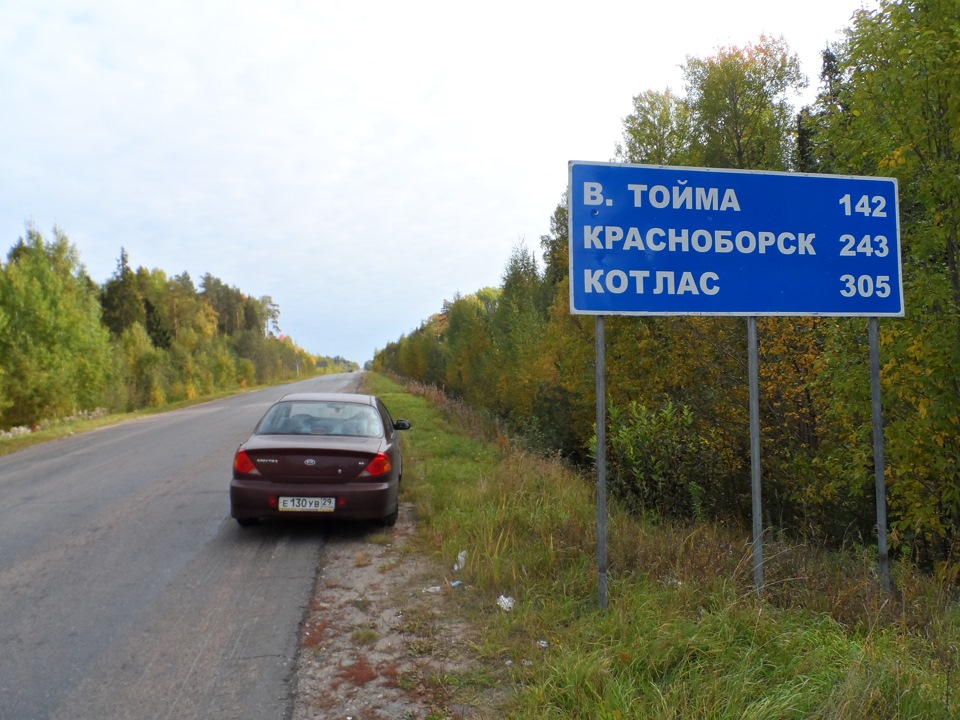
(320, 455)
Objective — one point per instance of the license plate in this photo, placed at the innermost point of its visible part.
(306, 504)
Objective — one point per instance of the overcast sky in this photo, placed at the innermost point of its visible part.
(358, 161)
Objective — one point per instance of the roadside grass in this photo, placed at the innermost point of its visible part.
(685, 635)
(59, 428)
(56, 429)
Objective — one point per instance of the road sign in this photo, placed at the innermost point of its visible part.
(654, 240)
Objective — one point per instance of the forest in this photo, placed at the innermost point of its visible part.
(141, 340)
(887, 105)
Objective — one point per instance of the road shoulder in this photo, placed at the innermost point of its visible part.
(383, 637)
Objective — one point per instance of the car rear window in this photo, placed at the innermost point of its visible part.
(321, 418)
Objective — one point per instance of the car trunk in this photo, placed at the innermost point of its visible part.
(319, 462)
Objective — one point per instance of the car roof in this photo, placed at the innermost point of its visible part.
(329, 397)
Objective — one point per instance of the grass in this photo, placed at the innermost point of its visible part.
(364, 636)
(685, 635)
(56, 429)
(359, 673)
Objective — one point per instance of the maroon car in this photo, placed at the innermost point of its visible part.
(320, 455)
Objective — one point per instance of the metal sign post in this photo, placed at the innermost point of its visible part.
(601, 344)
(753, 372)
(879, 465)
(656, 240)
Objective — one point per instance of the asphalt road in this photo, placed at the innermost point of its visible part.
(127, 591)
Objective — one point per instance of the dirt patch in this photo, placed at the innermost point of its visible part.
(382, 639)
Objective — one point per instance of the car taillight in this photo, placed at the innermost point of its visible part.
(243, 465)
(380, 465)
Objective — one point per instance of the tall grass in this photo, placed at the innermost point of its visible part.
(685, 635)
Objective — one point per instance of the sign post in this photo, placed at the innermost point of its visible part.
(756, 495)
(601, 350)
(879, 463)
(656, 240)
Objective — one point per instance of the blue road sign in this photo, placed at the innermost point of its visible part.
(654, 240)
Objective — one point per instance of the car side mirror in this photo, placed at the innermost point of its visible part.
(401, 425)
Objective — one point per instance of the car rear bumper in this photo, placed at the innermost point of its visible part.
(253, 499)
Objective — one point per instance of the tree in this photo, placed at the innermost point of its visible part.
(121, 300)
(55, 353)
(555, 246)
(660, 130)
(261, 315)
(469, 371)
(4, 325)
(516, 327)
(739, 105)
(893, 110)
(227, 301)
(815, 151)
(152, 286)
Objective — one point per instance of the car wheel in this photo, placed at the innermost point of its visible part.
(391, 519)
(247, 522)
